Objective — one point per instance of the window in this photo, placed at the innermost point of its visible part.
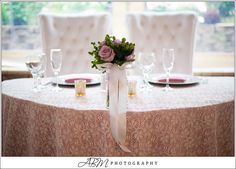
(214, 49)
(20, 27)
(215, 33)
(20, 20)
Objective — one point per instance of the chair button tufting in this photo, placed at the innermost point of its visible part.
(87, 38)
(74, 40)
(91, 25)
(80, 28)
(68, 28)
(166, 27)
(179, 24)
(81, 50)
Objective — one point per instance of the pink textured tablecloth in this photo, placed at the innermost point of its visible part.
(190, 121)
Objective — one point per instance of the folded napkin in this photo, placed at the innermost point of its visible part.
(72, 80)
(172, 80)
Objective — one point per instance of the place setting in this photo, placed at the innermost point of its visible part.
(36, 64)
(69, 80)
(146, 62)
(175, 80)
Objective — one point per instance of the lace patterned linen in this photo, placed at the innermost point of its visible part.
(190, 121)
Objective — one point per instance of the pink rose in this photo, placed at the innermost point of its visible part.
(130, 57)
(106, 53)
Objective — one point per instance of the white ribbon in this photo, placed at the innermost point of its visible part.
(118, 95)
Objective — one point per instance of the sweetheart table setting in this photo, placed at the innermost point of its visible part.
(116, 114)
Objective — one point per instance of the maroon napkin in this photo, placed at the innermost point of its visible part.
(72, 80)
(172, 80)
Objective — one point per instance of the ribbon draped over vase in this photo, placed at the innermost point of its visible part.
(118, 97)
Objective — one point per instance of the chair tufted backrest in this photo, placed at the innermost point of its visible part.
(151, 32)
(73, 34)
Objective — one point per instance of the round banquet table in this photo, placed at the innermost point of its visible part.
(196, 120)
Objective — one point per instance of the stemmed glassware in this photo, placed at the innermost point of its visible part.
(56, 61)
(42, 70)
(34, 64)
(168, 63)
(146, 62)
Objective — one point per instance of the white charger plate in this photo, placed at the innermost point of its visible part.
(188, 79)
(95, 79)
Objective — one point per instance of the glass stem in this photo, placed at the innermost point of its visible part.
(39, 81)
(145, 78)
(168, 79)
(56, 74)
(35, 81)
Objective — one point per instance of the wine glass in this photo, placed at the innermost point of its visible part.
(34, 63)
(42, 70)
(168, 63)
(146, 62)
(56, 61)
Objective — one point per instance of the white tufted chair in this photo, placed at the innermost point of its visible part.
(73, 34)
(151, 32)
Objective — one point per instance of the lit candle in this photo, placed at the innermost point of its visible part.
(132, 88)
(80, 87)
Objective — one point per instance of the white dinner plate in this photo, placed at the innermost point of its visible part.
(95, 79)
(187, 79)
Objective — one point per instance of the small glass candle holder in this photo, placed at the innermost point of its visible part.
(132, 88)
(80, 87)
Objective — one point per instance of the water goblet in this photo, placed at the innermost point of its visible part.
(168, 63)
(42, 70)
(34, 63)
(56, 62)
(146, 62)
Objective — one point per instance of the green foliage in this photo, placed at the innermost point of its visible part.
(121, 50)
(94, 53)
(70, 7)
(5, 14)
(226, 8)
(216, 11)
(26, 13)
(33, 8)
(22, 13)
(19, 13)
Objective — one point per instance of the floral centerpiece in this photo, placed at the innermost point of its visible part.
(112, 55)
(112, 50)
